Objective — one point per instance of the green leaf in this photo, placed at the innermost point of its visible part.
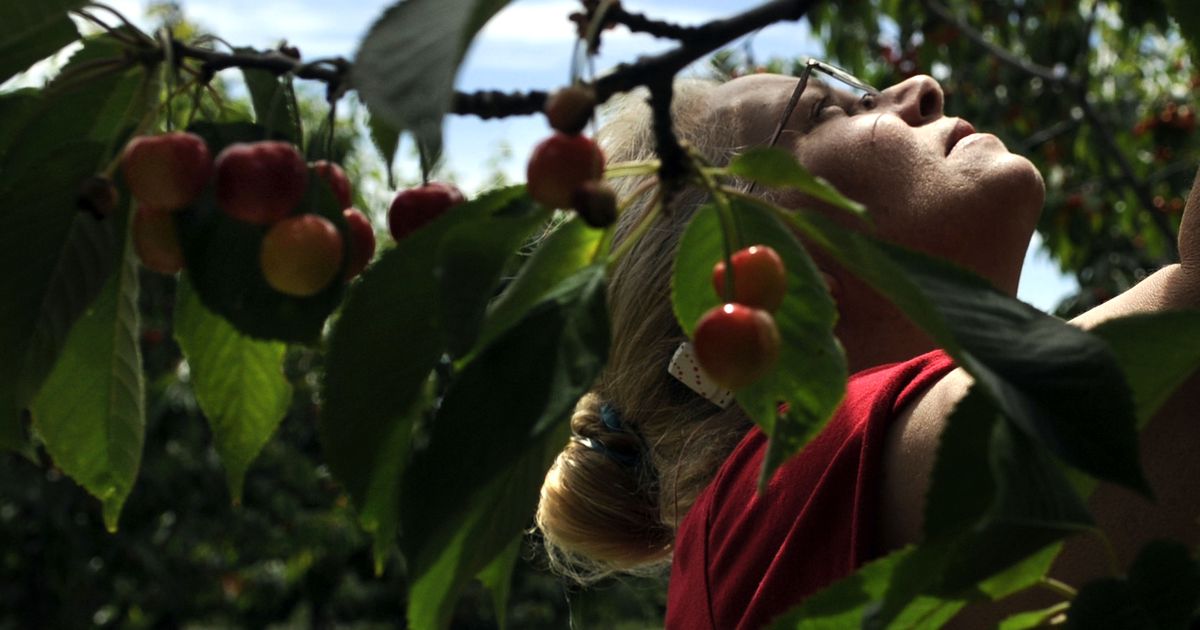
(222, 256)
(273, 101)
(386, 140)
(778, 168)
(405, 67)
(517, 390)
(32, 31)
(55, 259)
(842, 604)
(88, 255)
(961, 487)
(811, 373)
(15, 108)
(381, 351)
(497, 578)
(36, 219)
(470, 261)
(1149, 351)
(90, 413)
(1054, 380)
(571, 247)
(102, 109)
(239, 383)
(497, 513)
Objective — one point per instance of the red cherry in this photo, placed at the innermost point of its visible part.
(559, 165)
(301, 255)
(260, 182)
(411, 209)
(736, 345)
(362, 241)
(338, 182)
(166, 171)
(156, 240)
(759, 278)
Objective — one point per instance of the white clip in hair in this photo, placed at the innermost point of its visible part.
(686, 369)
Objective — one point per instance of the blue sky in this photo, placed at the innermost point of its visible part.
(527, 46)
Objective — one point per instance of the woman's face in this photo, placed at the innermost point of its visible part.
(930, 182)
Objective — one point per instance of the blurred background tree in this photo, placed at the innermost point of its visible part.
(1099, 95)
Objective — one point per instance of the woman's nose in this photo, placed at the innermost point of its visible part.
(917, 100)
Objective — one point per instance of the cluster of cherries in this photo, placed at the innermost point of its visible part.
(738, 342)
(566, 170)
(260, 183)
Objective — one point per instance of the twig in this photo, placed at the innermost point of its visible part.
(639, 23)
(1051, 75)
(1140, 189)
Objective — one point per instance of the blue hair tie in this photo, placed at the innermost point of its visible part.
(610, 417)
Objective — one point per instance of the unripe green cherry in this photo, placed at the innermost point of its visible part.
(301, 255)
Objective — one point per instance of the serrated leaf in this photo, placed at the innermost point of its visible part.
(32, 31)
(405, 67)
(777, 168)
(35, 221)
(101, 109)
(1052, 379)
(222, 256)
(1148, 349)
(961, 487)
(843, 604)
(239, 383)
(485, 537)
(528, 380)
(571, 247)
(386, 139)
(470, 261)
(811, 373)
(273, 101)
(497, 578)
(90, 413)
(381, 351)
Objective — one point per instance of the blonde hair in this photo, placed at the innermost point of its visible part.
(615, 496)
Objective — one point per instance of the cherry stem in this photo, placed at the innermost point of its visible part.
(1061, 588)
(729, 231)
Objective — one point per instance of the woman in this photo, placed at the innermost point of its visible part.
(659, 473)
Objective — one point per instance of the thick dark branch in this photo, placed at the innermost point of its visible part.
(493, 104)
(701, 40)
(673, 158)
(329, 71)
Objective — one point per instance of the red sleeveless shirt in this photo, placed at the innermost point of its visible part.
(742, 558)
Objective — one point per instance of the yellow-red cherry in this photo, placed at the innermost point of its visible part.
(156, 240)
(301, 255)
(167, 171)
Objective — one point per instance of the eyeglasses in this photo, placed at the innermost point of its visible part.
(831, 70)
